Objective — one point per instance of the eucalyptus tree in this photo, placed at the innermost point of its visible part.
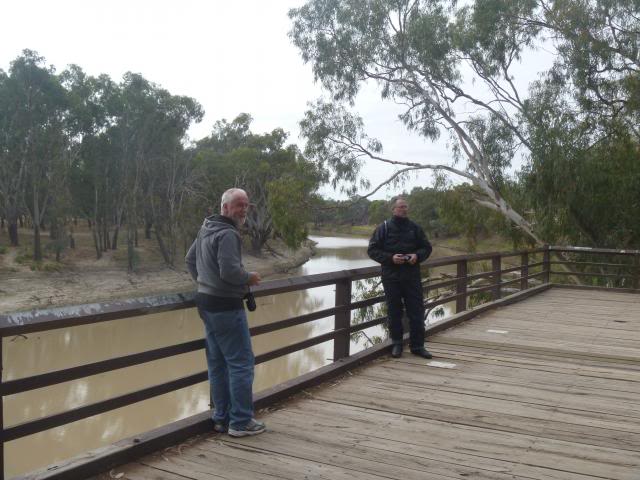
(93, 171)
(598, 44)
(147, 133)
(34, 112)
(436, 59)
(584, 116)
(453, 66)
(167, 176)
(13, 164)
(278, 179)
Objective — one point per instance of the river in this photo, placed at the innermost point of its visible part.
(58, 349)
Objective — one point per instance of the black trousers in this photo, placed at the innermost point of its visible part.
(400, 295)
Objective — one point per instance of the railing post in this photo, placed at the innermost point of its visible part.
(342, 320)
(461, 286)
(636, 273)
(524, 271)
(496, 266)
(546, 264)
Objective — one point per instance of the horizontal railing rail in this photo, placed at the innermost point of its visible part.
(578, 262)
(462, 289)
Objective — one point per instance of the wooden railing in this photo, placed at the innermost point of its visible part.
(621, 269)
(42, 320)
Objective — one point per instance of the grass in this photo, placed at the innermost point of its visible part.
(148, 255)
(494, 243)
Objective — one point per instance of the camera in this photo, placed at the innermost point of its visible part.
(251, 302)
(406, 258)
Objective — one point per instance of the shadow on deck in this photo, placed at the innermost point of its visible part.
(547, 388)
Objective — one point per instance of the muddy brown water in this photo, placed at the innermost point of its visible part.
(58, 349)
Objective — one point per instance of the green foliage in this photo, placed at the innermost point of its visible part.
(588, 197)
(582, 108)
(364, 290)
(341, 212)
(477, 299)
(278, 179)
(3, 250)
(73, 144)
(23, 258)
(378, 211)
(462, 215)
(286, 195)
(56, 247)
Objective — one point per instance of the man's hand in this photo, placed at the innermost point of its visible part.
(413, 259)
(398, 258)
(254, 278)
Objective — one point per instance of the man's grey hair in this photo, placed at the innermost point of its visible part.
(394, 200)
(229, 196)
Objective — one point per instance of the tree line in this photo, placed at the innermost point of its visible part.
(443, 212)
(117, 155)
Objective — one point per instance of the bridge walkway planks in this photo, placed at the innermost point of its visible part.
(547, 388)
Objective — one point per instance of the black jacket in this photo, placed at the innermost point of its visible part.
(398, 235)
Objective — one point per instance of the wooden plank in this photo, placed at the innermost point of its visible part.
(578, 368)
(255, 458)
(467, 444)
(492, 374)
(469, 409)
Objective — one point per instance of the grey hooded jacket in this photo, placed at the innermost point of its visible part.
(214, 259)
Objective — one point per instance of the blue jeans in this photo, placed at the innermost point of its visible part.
(230, 362)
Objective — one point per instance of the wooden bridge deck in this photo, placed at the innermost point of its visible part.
(548, 388)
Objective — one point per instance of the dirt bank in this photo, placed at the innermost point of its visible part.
(83, 279)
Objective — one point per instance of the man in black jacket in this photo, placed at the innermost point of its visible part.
(399, 245)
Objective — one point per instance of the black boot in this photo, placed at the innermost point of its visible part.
(396, 350)
(422, 352)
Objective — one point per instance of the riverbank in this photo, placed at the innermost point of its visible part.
(82, 279)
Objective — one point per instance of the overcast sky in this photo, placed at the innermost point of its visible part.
(232, 56)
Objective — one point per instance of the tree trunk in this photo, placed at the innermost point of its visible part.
(54, 230)
(147, 230)
(163, 249)
(256, 245)
(105, 236)
(13, 233)
(37, 246)
(130, 250)
(96, 242)
(114, 241)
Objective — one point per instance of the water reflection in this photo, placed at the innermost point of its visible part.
(58, 349)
